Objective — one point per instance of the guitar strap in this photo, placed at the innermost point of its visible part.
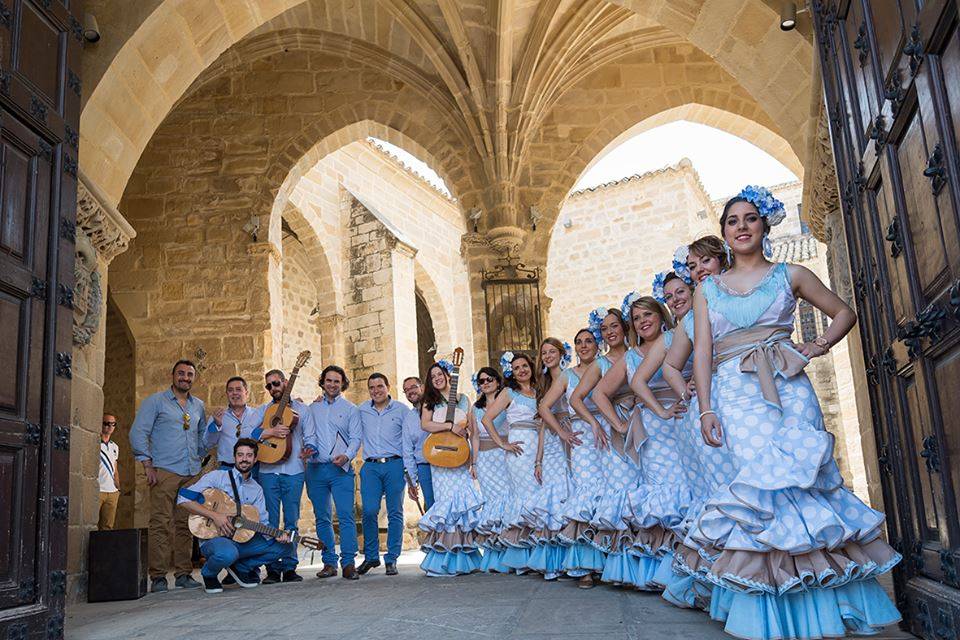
(236, 494)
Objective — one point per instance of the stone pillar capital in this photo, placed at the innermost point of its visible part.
(108, 231)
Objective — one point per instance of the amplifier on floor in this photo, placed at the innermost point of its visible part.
(117, 565)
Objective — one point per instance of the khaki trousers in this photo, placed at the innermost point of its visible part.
(108, 510)
(164, 516)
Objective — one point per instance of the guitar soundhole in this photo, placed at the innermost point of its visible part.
(441, 447)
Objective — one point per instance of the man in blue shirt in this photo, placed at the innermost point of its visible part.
(414, 464)
(381, 422)
(282, 482)
(228, 425)
(242, 560)
(167, 438)
(332, 430)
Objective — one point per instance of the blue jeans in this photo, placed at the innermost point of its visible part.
(279, 490)
(425, 477)
(247, 556)
(378, 479)
(326, 481)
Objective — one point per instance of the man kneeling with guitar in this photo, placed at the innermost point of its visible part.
(237, 539)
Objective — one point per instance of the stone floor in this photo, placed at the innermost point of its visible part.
(395, 608)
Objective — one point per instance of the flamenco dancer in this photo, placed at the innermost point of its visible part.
(796, 555)
(519, 403)
(610, 530)
(657, 503)
(581, 558)
(450, 524)
(551, 469)
(490, 468)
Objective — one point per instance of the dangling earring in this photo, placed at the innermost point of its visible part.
(726, 248)
(767, 247)
(663, 327)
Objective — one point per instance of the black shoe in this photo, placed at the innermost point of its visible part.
(228, 580)
(186, 582)
(392, 569)
(158, 585)
(273, 577)
(291, 575)
(247, 581)
(212, 585)
(366, 565)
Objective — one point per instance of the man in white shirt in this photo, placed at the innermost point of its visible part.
(109, 480)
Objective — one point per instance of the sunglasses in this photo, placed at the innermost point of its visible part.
(273, 385)
(186, 422)
(485, 380)
(109, 424)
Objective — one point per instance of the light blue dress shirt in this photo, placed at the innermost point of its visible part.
(324, 420)
(382, 430)
(157, 433)
(231, 430)
(293, 464)
(413, 438)
(250, 492)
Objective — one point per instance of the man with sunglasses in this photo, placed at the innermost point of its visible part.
(282, 482)
(415, 466)
(108, 478)
(167, 439)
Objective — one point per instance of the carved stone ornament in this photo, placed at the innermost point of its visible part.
(87, 293)
(108, 231)
(821, 195)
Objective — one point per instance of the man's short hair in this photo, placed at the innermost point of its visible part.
(377, 375)
(246, 442)
(238, 379)
(189, 363)
(338, 370)
(275, 372)
(409, 378)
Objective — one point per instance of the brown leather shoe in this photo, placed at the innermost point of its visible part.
(350, 572)
(328, 571)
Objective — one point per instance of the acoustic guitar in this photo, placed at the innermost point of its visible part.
(245, 525)
(277, 449)
(447, 449)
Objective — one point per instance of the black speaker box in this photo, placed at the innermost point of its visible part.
(117, 564)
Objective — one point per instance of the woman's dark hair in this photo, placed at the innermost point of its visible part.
(546, 378)
(710, 247)
(481, 402)
(512, 380)
(431, 395)
(726, 210)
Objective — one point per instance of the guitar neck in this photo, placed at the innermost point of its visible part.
(265, 529)
(285, 398)
(452, 396)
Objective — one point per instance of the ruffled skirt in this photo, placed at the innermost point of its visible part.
(543, 512)
(495, 488)
(516, 532)
(790, 552)
(449, 536)
(581, 556)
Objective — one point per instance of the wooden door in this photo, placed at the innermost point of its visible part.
(40, 44)
(891, 71)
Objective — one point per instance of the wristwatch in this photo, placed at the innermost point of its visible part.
(823, 343)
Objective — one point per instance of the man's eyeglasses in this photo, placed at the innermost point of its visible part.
(109, 424)
(273, 385)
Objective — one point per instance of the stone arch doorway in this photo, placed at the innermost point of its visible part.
(426, 337)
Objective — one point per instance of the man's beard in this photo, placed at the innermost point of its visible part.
(183, 386)
(243, 467)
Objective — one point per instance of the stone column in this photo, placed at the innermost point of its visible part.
(102, 233)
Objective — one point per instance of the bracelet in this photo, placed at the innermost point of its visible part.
(708, 411)
(537, 464)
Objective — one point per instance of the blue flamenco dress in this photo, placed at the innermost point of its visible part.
(544, 511)
(788, 550)
(495, 489)
(516, 533)
(581, 556)
(449, 527)
(613, 535)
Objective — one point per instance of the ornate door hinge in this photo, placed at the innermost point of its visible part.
(64, 365)
(927, 324)
(935, 170)
(914, 49)
(38, 289)
(862, 43)
(61, 438)
(895, 237)
(931, 454)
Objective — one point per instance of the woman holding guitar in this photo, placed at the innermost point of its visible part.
(519, 403)
(450, 542)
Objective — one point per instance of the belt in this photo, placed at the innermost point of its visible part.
(381, 460)
(765, 351)
(531, 425)
(486, 444)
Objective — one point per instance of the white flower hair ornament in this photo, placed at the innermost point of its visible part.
(628, 300)
(770, 209)
(680, 258)
(594, 320)
(446, 365)
(658, 281)
(567, 356)
(506, 364)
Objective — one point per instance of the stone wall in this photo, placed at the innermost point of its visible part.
(301, 327)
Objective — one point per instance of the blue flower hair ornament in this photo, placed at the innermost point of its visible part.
(476, 385)
(770, 209)
(506, 364)
(567, 356)
(625, 306)
(680, 258)
(594, 320)
(446, 365)
(658, 281)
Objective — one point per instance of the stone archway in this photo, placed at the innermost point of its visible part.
(426, 337)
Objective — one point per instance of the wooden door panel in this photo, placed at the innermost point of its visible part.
(859, 46)
(888, 224)
(15, 318)
(887, 19)
(45, 49)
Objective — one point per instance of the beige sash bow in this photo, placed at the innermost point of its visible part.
(765, 351)
(566, 421)
(627, 445)
(525, 424)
